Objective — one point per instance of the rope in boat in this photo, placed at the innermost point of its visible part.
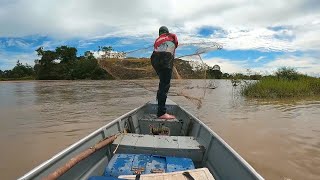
(124, 133)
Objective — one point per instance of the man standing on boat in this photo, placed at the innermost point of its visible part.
(162, 62)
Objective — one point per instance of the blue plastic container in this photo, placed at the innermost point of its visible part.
(130, 164)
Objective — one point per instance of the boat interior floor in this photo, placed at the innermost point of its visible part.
(148, 154)
(151, 145)
(145, 164)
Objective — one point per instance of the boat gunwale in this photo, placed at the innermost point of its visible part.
(70, 148)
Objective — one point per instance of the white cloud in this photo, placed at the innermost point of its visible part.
(245, 21)
(9, 60)
(14, 42)
(245, 24)
(259, 58)
(255, 38)
(17, 43)
(304, 64)
(228, 66)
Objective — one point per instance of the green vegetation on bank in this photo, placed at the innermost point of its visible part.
(63, 64)
(60, 64)
(19, 72)
(285, 83)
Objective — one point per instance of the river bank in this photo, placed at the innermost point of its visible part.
(286, 83)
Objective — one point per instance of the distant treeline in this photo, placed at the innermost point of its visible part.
(64, 64)
(20, 71)
(60, 64)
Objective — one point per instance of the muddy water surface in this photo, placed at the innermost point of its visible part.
(280, 139)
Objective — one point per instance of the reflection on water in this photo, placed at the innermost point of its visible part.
(40, 118)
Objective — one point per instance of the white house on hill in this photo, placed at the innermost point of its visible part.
(109, 54)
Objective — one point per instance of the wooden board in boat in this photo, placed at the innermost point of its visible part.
(197, 174)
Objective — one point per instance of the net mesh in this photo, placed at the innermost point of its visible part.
(188, 64)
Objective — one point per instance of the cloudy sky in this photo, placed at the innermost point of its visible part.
(257, 35)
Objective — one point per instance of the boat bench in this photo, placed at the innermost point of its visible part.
(176, 146)
(149, 121)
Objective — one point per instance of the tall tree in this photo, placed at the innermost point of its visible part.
(21, 70)
(107, 48)
(89, 55)
(214, 73)
(66, 54)
(40, 51)
(70, 66)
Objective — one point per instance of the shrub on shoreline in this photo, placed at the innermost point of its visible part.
(286, 83)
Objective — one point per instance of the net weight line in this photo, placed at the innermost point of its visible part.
(209, 46)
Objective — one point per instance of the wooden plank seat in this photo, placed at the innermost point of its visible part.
(198, 174)
(176, 146)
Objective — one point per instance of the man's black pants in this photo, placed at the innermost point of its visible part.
(162, 62)
(164, 85)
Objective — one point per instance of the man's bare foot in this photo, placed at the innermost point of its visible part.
(167, 116)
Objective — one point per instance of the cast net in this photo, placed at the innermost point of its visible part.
(188, 64)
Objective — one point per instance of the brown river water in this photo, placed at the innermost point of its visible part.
(280, 139)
